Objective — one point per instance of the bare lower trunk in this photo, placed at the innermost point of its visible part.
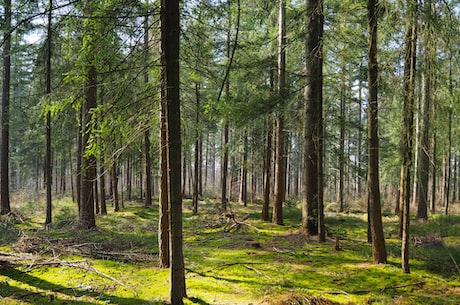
(376, 227)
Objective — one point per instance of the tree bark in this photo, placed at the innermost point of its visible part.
(267, 171)
(281, 160)
(424, 159)
(342, 142)
(224, 168)
(312, 194)
(88, 167)
(148, 170)
(4, 150)
(170, 33)
(244, 172)
(407, 132)
(114, 184)
(197, 153)
(433, 166)
(376, 227)
(163, 226)
(48, 167)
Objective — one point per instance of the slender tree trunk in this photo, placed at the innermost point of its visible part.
(376, 227)
(407, 133)
(170, 32)
(281, 162)
(267, 171)
(163, 226)
(312, 194)
(342, 143)
(447, 163)
(102, 188)
(433, 170)
(114, 183)
(359, 143)
(244, 172)
(200, 163)
(48, 167)
(4, 150)
(88, 167)
(454, 179)
(102, 167)
(197, 153)
(224, 168)
(424, 159)
(448, 147)
(129, 168)
(148, 161)
(184, 172)
(148, 170)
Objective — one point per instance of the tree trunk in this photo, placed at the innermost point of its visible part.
(48, 168)
(170, 32)
(448, 147)
(88, 167)
(447, 163)
(342, 142)
(312, 194)
(129, 168)
(244, 172)
(148, 170)
(197, 154)
(5, 117)
(407, 132)
(267, 172)
(200, 163)
(224, 169)
(102, 188)
(376, 227)
(280, 151)
(163, 226)
(114, 184)
(148, 161)
(433, 167)
(424, 159)
(359, 142)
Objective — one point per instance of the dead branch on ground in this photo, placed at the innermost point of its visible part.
(31, 262)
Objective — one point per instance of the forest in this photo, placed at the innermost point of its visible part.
(230, 152)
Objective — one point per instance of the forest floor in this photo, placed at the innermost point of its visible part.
(239, 260)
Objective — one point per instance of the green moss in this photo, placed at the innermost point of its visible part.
(258, 261)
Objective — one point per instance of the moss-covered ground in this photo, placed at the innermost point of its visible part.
(252, 262)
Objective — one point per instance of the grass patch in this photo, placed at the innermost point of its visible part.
(252, 263)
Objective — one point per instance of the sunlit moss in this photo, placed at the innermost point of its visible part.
(256, 262)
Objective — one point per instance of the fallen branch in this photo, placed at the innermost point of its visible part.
(361, 291)
(418, 284)
(257, 271)
(233, 264)
(233, 223)
(280, 251)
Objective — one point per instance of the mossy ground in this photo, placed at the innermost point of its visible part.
(255, 263)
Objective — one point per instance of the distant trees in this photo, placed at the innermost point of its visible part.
(266, 106)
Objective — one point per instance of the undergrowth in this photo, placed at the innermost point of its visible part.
(227, 262)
